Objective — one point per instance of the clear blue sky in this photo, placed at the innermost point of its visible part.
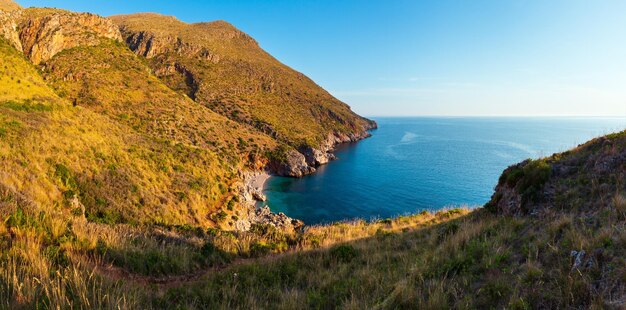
(497, 57)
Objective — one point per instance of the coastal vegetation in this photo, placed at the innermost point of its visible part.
(126, 149)
(565, 253)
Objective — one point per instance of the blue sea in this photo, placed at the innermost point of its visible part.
(425, 163)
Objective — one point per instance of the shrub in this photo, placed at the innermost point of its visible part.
(535, 174)
(513, 176)
(279, 154)
(104, 216)
(25, 106)
(220, 216)
(492, 204)
(344, 253)
(386, 221)
(448, 230)
(64, 175)
(260, 248)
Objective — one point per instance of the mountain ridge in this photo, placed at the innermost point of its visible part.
(247, 79)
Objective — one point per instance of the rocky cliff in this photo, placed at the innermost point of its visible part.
(584, 179)
(42, 33)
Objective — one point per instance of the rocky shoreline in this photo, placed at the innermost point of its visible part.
(251, 192)
(298, 164)
(305, 160)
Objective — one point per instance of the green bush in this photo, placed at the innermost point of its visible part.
(104, 216)
(65, 176)
(25, 106)
(344, 253)
(513, 176)
(260, 248)
(535, 174)
(448, 229)
(279, 154)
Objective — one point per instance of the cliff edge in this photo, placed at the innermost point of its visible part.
(583, 179)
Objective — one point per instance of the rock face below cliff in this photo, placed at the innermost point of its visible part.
(292, 164)
(251, 191)
(306, 159)
(583, 179)
(42, 33)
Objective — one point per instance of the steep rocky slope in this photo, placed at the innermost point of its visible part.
(42, 33)
(584, 179)
(110, 80)
(55, 154)
(224, 69)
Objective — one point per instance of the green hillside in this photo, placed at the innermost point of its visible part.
(554, 257)
(57, 154)
(224, 69)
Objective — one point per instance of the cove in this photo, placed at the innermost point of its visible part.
(425, 163)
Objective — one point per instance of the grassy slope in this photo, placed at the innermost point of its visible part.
(243, 82)
(455, 258)
(52, 152)
(201, 151)
(112, 81)
(479, 260)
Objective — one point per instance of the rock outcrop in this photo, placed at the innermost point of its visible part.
(42, 33)
(251, 187)
(250, 192)
(8, 28)
(264, 216)
(307, 158)
(585, 178)
(149, 45)
(292, 164)
(322, 155)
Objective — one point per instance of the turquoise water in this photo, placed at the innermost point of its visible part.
(414, 164)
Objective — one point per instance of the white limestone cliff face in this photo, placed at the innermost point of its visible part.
(42, 33)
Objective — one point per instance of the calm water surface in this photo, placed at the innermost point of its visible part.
(414, 164)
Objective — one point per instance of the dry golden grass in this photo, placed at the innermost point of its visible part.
(474, 261)
(123, 163)
(9, 5)
(51, 261)
(619, 202)
(451, 259)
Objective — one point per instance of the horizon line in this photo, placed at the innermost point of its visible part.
(501, 116)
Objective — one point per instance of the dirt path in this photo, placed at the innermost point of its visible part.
(171, 281)
(162, 282)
